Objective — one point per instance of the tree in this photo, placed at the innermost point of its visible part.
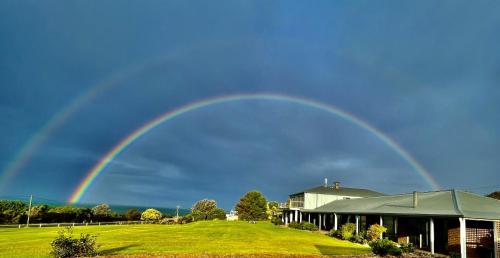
(495, 195)
(63, 214)
(13, 211)
(151, 215)
(39, 212)
(273, 209)
(202, 208)
(252, 206)
(133, 214)
(217, 213)
(101, 210)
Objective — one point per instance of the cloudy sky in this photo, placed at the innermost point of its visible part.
(426, 74)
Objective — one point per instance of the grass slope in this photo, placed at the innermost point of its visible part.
(208, 237)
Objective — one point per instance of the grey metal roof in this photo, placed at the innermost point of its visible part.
(344, 191)
(438, 203)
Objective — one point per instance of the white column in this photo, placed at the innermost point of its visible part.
(381, 224)
(309, 217)
(286, 217)
(291, 216)
(463, 238)
(431, 225)
(335, 221)
(420, 241)
(495, 238)
(324, 220)
(357, 224)
(427, 233)
(319, 221)
(396, 226)
(300, 216)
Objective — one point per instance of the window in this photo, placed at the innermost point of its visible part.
(297, 201)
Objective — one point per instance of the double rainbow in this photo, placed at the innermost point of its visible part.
(104, 162)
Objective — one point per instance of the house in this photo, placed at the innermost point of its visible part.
(232, 216)
(446, 222)
(313, 198)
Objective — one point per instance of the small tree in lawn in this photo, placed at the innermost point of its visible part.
(252, 206)
(202, 209)
(151, 215)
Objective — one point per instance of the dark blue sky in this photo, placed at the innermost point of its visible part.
(425, 73)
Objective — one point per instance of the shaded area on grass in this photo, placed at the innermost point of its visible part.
(339, 250)
(112, 251)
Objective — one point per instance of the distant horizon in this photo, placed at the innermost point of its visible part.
(186, 210)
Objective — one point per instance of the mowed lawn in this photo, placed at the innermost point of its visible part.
(207, 237)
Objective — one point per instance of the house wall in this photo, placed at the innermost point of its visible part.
(314, 200)
(454, 240)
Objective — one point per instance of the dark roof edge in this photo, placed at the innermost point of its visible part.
(456, 202)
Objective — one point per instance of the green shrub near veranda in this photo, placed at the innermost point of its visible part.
(384, 247)
(375, 231)
(347, 231)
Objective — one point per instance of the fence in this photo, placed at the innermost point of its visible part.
(40, 225)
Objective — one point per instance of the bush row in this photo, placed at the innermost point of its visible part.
(303, 226)
(372, 237)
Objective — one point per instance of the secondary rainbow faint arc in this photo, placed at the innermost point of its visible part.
(122, 145)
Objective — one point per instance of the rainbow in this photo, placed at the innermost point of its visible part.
(104, 162)
(35, 141)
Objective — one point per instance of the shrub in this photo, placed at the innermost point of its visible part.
(359, 238)
(67, 246)
(276, 221)
(384, 247)
(303, 226)
(308, 226)
(168, 221)
(347, 231)
(408, 248)
(186, 219)
(151, 215)
(334, 233)
(294, 224)
(374, 232)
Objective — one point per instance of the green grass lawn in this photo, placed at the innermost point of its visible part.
(208, 237)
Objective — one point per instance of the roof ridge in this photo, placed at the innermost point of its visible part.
(476, 194)
(456, 203)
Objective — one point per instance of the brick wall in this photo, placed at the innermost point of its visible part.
(454, 240)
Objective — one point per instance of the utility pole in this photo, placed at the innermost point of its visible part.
(29, 212)
(177, 216)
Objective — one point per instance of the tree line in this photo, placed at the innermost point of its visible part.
(16, 212)
(253, 206)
